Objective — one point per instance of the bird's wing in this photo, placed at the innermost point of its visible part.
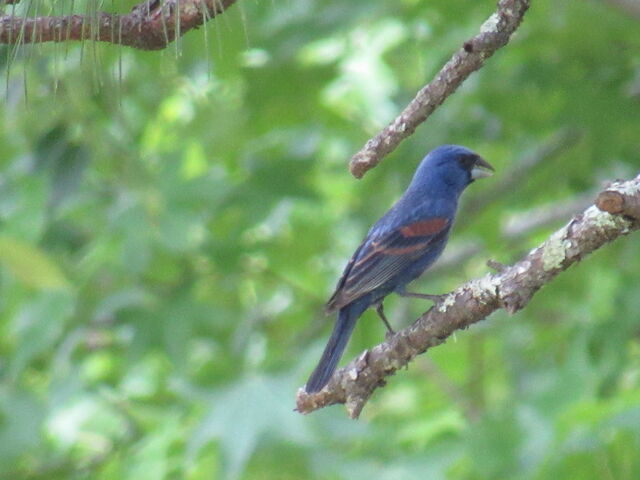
(383, 257)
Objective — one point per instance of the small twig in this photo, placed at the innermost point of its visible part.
(494, 33)
(511, 290)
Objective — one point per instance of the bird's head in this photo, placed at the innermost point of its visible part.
(452, 166)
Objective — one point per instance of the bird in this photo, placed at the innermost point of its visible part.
(399, 247)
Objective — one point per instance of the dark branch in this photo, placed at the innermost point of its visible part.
(494, 33)
(510, 289)
(151, 25)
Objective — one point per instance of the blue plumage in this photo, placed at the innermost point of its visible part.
(400, 246)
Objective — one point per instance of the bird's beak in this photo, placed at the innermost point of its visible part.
(481, 169)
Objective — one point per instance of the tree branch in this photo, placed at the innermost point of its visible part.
(520, 225)
(515, 228)
(151, 25)
(517, 173)
(630, 7)
(510, 289)
(494, 33)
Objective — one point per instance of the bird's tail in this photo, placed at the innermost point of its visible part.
(347, 317)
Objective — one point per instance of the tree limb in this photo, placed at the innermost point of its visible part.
(521, 225)
(510, 289)
(494, 33)
(631, 7)
(516, 227)
(518, 172)
(151, 25)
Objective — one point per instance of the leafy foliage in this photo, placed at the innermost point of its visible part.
(171, 224)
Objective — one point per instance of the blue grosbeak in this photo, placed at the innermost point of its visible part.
(400, 246)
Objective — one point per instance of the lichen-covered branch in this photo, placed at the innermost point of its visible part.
(494, 33)
(616, 213)
(151, 25)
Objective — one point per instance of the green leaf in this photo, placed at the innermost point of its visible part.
(39, 325)
(241, 414)
(21, 416)
(31, 265)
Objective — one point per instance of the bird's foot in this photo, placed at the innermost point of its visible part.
(380, 311)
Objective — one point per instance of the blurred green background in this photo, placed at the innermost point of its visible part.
(172, 222)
